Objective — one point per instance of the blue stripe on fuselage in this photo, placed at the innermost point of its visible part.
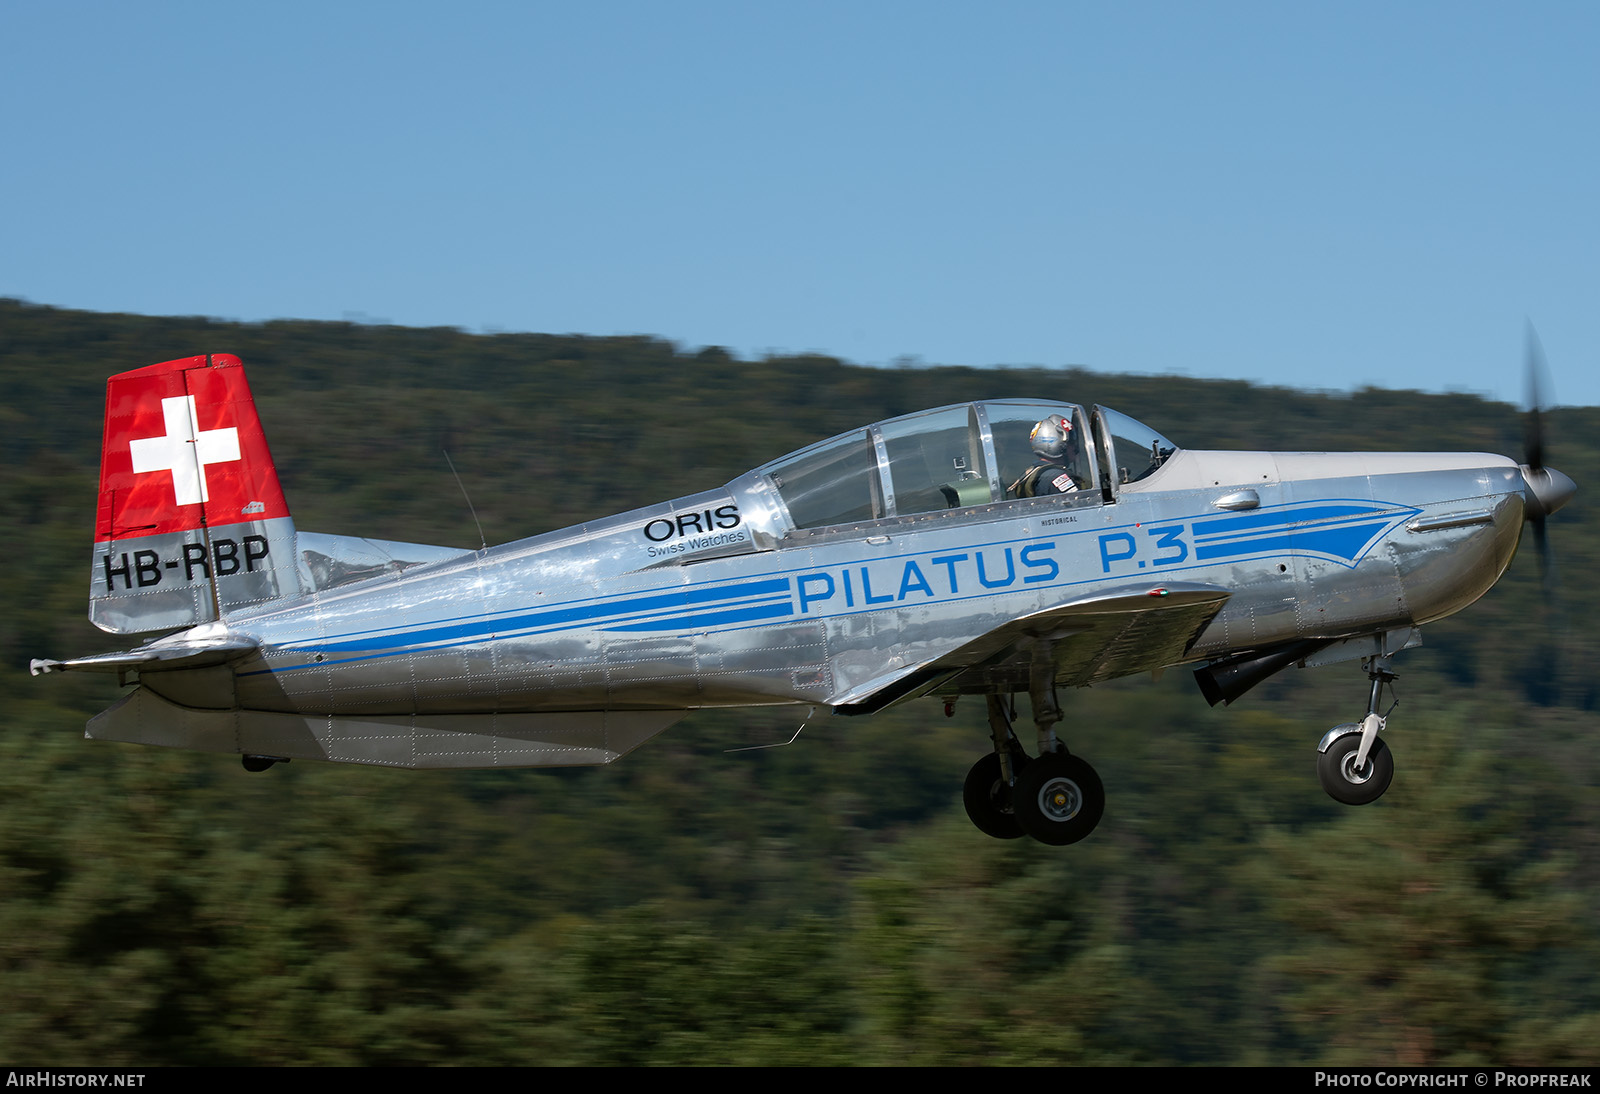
(555, 618)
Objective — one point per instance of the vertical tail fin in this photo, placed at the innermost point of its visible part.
(191, 520)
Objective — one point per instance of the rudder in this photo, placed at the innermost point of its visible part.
(191, 520)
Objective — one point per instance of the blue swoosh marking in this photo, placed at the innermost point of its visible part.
(1218, 526)
(1346, 543)
(1343, 530)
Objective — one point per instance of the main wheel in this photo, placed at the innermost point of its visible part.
(987, 796)
(1058, 799)
(1344, 782)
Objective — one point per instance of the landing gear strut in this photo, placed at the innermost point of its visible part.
(1354, 766)
(1056, 798)
(988, 789)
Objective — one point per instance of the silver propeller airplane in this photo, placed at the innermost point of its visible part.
(988, 548)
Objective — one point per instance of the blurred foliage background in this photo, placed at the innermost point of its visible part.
(821, 903)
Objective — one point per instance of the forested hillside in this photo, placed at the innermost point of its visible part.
(825, 902)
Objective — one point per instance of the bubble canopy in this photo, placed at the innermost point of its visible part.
(953, 457)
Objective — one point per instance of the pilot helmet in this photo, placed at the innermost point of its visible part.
(1052, 437)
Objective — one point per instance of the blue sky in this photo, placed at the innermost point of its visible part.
(1315, 195)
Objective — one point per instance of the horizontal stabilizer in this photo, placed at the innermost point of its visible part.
(196, 648)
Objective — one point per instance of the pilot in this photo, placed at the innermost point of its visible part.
(1055, 473)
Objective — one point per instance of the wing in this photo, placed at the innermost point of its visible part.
(1115, 632)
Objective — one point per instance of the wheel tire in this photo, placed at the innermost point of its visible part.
(1336, 769)
(987, 797)
(1058, 799)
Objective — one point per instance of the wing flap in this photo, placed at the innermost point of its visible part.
(1113, 633)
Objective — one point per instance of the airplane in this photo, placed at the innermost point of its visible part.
(987, 548)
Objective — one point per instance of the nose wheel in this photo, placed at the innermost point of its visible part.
(1354, 765)
(1347, 781)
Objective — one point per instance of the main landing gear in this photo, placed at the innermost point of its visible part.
(1354, 766)
(1055, 797)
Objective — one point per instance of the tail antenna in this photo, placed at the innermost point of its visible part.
(483, 541)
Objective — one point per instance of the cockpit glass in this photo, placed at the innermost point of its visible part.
(935, 461)
(955, 457)
(835, 482)
(1012, 422)
(1137, 450)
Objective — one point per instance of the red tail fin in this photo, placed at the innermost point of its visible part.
(191, 520)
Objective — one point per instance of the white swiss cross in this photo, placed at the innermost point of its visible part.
(184, 451)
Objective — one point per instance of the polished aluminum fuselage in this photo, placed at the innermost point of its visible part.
(710, 601)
